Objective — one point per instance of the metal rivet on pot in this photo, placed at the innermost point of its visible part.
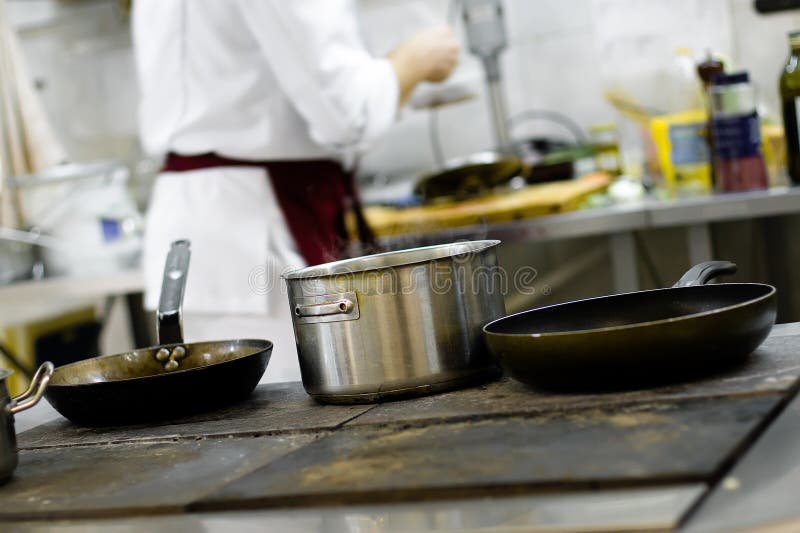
(179, 352)
(171, 365)
(162, 355)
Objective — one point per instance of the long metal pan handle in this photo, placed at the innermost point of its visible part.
(702, 273)
(31, 397)
(170, 326)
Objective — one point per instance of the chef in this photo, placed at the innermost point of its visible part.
(260, 107)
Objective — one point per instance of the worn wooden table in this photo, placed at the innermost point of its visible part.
(493, 458)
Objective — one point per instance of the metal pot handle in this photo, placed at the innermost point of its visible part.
(31, 397)
(170, 326)
(702, 273)
(326, 308)
(339, 307)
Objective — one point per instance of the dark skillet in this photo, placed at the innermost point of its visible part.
(637, 339)
(161, 382)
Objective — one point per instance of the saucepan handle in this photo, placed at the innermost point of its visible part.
(326, 308)
(31, 397)
(338, 307)
(170, 327)
(702, 273)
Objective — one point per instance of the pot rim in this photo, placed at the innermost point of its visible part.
(393, 259)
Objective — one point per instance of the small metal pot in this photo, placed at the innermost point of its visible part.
(396, 324)
(9, 407)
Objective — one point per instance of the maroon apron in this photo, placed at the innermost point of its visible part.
(313, 195)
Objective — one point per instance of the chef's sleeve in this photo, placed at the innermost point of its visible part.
(315, 49)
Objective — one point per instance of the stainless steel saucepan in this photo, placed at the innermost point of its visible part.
(396, 324)
(9, 407)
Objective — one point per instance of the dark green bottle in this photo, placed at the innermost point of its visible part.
(790, 98)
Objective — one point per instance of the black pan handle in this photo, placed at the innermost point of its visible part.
(702, 273)
(170, 327)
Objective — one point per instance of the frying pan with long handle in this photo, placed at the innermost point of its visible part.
(165, 381)
(637, 338)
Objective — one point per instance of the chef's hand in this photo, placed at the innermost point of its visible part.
(428, 55)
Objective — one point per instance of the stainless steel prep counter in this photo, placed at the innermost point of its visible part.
(620, 222)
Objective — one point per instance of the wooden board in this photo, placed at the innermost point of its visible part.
(130, 479)
(273, 408)
(643, 444)
(532, 201)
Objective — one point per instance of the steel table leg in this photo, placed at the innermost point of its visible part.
(138, 320)
(698, 239)
(623, 262)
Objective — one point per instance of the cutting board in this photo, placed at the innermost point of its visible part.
(531, 201)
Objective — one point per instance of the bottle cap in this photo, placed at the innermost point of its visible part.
(721, 78)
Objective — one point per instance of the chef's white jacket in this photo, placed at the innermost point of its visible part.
(247, 79)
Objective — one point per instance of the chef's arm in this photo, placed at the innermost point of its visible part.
(347, 97)
(430, 55)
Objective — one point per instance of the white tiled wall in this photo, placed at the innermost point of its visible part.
(562, 55)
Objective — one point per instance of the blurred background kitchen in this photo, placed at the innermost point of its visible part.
(612, 184)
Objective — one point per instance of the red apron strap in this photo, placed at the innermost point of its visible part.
(366, 236)
(313, 196)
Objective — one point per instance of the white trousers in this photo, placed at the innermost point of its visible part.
(240, 246)
(283, 364)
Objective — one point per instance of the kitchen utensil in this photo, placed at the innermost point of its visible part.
(11, 406)
(164, 381)
(89, 203)
(468, 176)
(396, 324)
(550, 158)
(639, 337)
(18, 252)
(437, 95)
(16, 261)
(485, 30)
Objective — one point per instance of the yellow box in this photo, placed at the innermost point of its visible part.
(682, 149)
(20, 338)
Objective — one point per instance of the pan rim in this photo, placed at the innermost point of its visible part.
(327, 270)
(769, 294)
(268, 347)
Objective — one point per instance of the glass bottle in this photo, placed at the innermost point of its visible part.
(790, 99)
(605, 143)
(707, 70)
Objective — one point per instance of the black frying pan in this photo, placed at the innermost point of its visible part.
(637, 338)
(165, 381)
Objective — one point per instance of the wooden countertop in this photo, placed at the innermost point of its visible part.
(281, 450)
